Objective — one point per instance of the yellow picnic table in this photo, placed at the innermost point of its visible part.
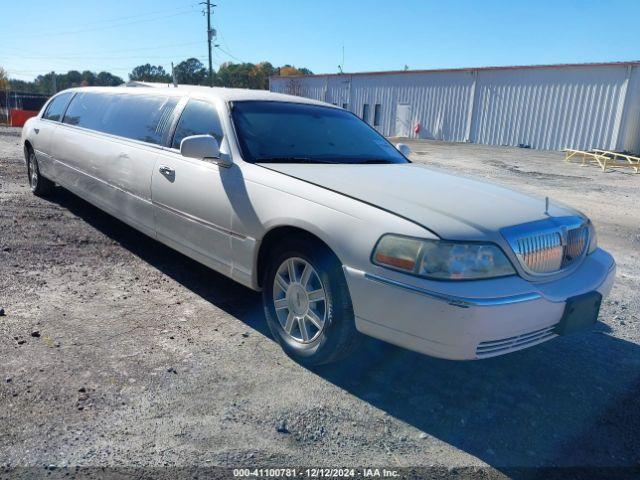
(604, 158)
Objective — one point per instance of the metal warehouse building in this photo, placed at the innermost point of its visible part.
(580, 106)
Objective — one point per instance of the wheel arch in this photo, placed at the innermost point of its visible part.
(271, 239)
(27, 148)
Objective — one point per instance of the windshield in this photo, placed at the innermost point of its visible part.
(280, 132)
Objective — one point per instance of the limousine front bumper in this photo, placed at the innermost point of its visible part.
(470, 320)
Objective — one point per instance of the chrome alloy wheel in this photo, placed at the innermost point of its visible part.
(33, 171)
(300, 300)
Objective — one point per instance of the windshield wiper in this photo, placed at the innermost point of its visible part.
(375, 160)
(341, 161)
(290, 160)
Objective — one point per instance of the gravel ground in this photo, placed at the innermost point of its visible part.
(117, 351)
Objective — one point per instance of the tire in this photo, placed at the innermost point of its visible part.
(40, 185)
(337, 335)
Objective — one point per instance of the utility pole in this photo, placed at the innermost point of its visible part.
(211, 33)
(173, 76)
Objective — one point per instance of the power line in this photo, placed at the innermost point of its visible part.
(146, 14)
(95, 57)
(107, 27)
(230, 54)
(90, 55)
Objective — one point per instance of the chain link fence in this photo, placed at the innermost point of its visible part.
(12, 100)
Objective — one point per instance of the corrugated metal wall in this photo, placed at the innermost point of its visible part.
(547, 108)
(630, 122)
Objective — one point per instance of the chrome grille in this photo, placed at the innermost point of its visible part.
(549, 245)
(511, 344)
(542, 253)
(577, 240)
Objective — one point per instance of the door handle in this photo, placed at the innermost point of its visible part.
(37, 130)
(164, 170)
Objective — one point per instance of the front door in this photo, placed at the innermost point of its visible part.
(191, 206)
(403, 120)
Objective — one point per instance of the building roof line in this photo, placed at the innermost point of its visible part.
(633, 63)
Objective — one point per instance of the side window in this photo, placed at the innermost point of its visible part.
(365, 112)
(87, 110)
(138, 117)
(198, 118)
(56, 107)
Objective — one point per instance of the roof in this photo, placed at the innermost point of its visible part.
(226, 94)
(634, 63)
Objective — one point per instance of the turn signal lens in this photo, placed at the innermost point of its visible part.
(398, 252)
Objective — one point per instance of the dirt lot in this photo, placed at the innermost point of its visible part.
(117, 351)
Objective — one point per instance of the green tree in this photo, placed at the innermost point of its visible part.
(191, 72)
(88, 79)
(73, 78)
(44, 83)
(248, 75)
(236, 75)
(22, 86)
(106, 79)
(149, 73)
(259, 75)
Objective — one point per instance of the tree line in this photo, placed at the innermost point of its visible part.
(238, 75)
(190, 71)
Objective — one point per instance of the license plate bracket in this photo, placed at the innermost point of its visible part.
(579, 313)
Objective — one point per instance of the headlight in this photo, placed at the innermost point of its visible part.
(593, 239)
(441, 260)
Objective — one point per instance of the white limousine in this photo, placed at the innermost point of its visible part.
(340, 231)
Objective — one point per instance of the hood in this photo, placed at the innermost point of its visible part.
(450, 206)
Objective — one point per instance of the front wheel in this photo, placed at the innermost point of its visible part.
(307, 303)
(39, 185)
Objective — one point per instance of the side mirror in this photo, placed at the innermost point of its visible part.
(404, 149)
(201, 147)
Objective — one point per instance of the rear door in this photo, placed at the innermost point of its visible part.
(109, 145)
(192, 208)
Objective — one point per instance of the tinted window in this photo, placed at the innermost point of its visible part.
(87, 111)
(376, 114)
(138, 117)
(365, 112)
(282, 132)
(198, 118)
(56, 107)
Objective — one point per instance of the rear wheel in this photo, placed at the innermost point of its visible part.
(307, 303)
(39, 185)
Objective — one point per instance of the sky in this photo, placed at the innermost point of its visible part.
(40, 36)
